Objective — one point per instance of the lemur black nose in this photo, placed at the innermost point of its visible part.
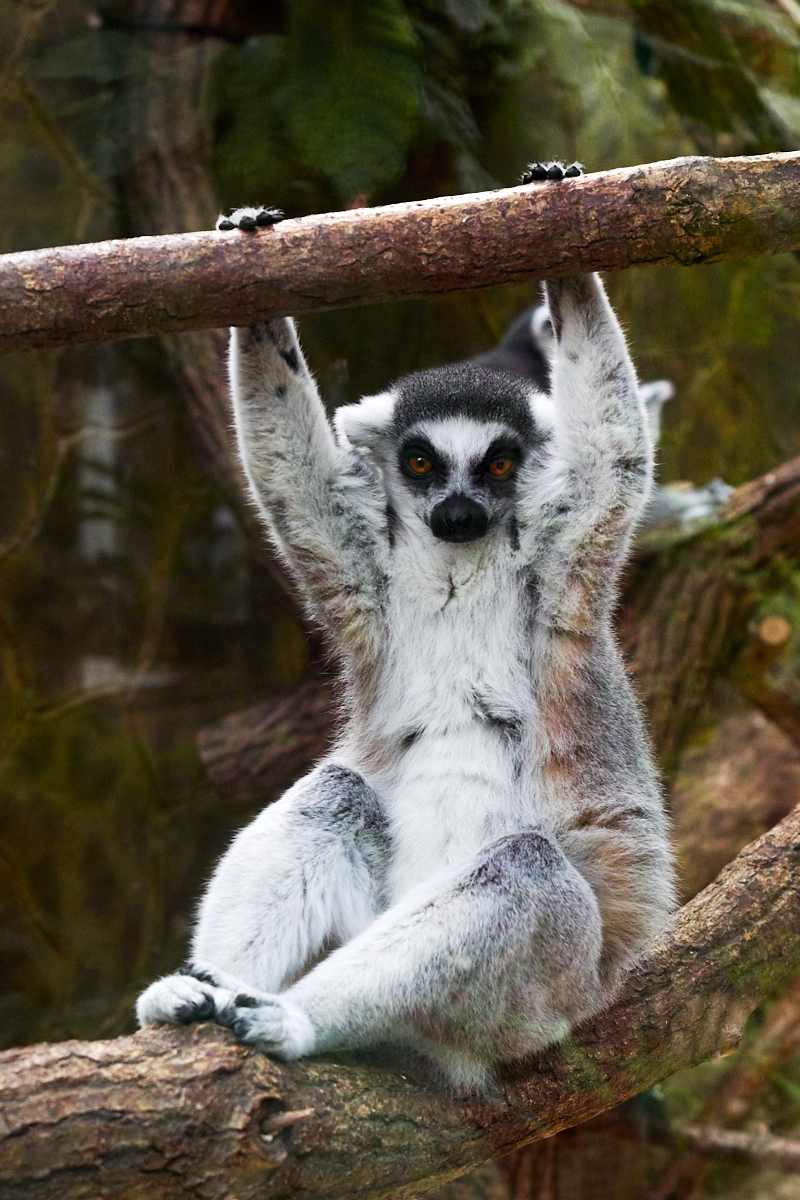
(459, 519)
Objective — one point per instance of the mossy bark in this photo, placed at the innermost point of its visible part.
(188, 1112)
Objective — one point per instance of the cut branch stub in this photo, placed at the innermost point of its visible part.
(684, 211)
(187, 1112)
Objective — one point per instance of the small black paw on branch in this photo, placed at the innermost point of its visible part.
(248, 219)
(553, 171)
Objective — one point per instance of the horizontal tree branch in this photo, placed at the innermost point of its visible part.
(188, 1112)
(683, 211)
(782, 1154)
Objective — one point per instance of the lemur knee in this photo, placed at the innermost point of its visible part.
(524, 858)
(343, 803)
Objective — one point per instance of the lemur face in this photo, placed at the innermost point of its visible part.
(458, 476)
(451, 443)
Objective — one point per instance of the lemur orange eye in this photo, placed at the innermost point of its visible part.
(419, 464)
(501, 467)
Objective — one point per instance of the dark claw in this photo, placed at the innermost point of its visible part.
(269, 216)
(196, 973)
(535, 173)
(573, 171)
(187, 1014)
(248, 224)
(225, 224)
(555, 171)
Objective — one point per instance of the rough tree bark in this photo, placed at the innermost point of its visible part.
(687, 210)
(187, 1112)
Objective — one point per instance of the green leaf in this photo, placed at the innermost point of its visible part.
(471, 15)
(685, 43)
(450, 115)
(352, 90)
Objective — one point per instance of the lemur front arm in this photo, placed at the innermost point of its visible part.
(580, 509)
(324, 506)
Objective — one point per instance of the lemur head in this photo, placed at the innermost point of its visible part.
(451, 443)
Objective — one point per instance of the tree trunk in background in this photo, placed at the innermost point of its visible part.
(169, 188)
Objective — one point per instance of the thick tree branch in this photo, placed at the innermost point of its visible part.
(254, 755)
(187, 1112)
(687, 210)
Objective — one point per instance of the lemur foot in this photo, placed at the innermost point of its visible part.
(198, 992)
(195, 993)
(181, 1000)
(273, 1025)
(248, 219)
(538, 172)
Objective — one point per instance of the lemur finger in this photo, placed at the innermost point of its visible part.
(554, 171)
(248, 219)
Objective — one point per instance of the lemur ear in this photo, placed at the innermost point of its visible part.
(365, 424)
(544, 411)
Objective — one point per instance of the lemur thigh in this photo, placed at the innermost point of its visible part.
(584, 506)
(494, 960)
(306, 873)
(324, 506)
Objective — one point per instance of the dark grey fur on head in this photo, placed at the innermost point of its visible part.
(466, 390)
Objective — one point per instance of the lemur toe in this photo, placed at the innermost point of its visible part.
(554, 171)
(269, 216)
(249, 219)
(180, 1000)
(256, 1022)
(535, 173)
(273, 1025)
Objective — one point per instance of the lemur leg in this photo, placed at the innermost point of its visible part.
(489, 963)
(307, 873)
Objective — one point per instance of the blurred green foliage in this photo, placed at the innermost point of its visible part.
(132, 607)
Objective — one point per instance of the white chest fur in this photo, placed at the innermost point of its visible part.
(456, 694)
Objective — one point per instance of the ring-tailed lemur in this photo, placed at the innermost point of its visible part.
(484, 851)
